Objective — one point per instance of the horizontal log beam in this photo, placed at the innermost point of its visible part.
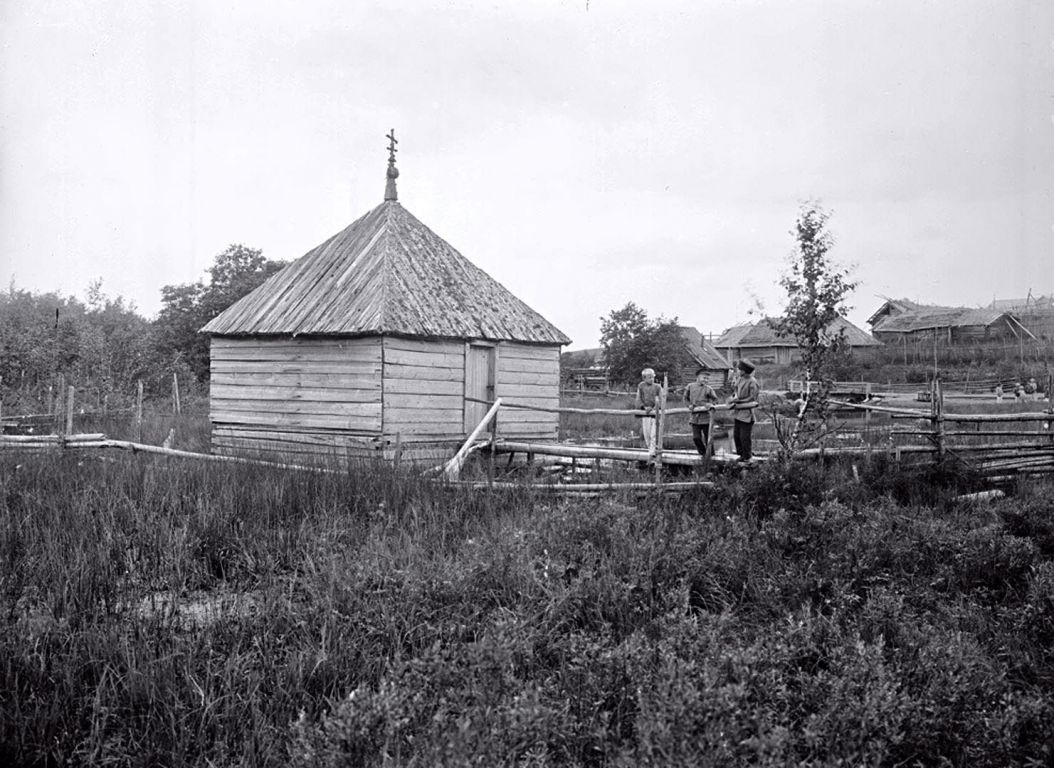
(599, 411)
(583, 487)
(49, 439)
(968, 433)
(973, 418)
(681, 458)
(903, 412)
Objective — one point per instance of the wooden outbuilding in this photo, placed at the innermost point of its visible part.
(899, 321)
(1035, 313)
(702, 354)
(381, 341)
(762, 343)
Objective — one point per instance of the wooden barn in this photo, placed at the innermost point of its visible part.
(703, 354)
(761, 343)
(381, 341)
(1035, 313)
(900, 321)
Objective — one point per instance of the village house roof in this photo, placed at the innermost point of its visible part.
(763, 334)
(387, 273)
(732, 336)
(892, 307)
(701, 350)
(1029, 302)
(932, 318)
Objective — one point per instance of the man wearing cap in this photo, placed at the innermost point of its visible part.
(743, 403)
(648, 392)
(700, 399)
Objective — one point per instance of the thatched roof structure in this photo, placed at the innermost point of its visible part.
(900, 317)
(385, 274)
(1030, 302)
(763, 334)
(701, 351)
(891, 307)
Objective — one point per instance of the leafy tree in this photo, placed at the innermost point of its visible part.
(115, 344)
(186, 308)
(816, 289)
(632, 341)
(582, 358)
(100, 347)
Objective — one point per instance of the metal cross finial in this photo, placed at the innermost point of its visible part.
(393, 172)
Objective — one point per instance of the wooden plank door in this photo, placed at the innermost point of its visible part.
(479, 382)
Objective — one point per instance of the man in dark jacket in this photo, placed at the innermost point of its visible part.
(743, 403)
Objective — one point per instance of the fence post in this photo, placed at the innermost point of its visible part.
(69, 412)
(1050, 405)
(139, 411)
(60, 403)
(175, 394)
(867, 415)
(1, 404)
(709, 442)
(938, 416)
(660, 425)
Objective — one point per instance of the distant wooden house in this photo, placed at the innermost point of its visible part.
(762, 343)
(383, 340)
(698, 353)
(1035, 313)
(703, 354)
(583, 369)
(899, 321)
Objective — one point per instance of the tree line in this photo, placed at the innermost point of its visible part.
(103, 345)
(816, 291)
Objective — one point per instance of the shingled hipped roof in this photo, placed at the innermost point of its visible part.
(387, 273)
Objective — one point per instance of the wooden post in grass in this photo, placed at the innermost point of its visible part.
(1, 403)
(493, 443)
(175, 394)
(1050, 405)
(938, 416)
(69, 412)
(709, 443)
(867, 413)
(60, 403)
(660, 426)
(139, 411)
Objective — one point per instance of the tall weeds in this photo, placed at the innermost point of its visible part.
(163, 612)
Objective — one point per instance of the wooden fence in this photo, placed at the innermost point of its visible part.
(63, 407)
(999, 445)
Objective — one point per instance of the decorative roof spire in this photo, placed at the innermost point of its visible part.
(393, 172)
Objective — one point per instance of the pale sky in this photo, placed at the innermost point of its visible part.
(583, 154)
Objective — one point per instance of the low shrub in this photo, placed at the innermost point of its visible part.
(162, 612)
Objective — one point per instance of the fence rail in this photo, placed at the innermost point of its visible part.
(1033, 450)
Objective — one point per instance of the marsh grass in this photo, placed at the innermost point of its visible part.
(162, 612)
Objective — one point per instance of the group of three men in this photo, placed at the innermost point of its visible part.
(701, 399)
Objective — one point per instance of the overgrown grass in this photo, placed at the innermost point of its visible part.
(585, 427)
(169, 613)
